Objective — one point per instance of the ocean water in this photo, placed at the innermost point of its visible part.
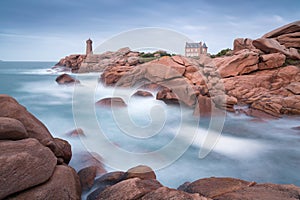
(149, 132)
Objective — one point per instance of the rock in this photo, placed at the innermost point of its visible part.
(141, 171)
(242, 62)
(12, 129)
(64, 184)
(259, 114)
(143, 93)
(75, 133)
(270, 61)
(105, 181)
(113, 74)
(286, 29)
(183, 186)
(66, 79)
(294, 88)
(111, 102)
(242, 43)
(129, 189)
(291, 40)
(267, 106)
(167, 96)
(24, 164)
(86, 159)
(124, 51)
(87, 176)
(263, 192)
(133, 60)
(215, 187)
(297, 128)
(163, 193)
(12, 109)
(204, 106)
(273, 46)
(72, 61)
(64, 150)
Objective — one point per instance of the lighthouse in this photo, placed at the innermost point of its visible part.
(89, 48)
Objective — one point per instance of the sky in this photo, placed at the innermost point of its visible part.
(47, 30)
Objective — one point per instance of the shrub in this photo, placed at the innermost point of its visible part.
(223, 52)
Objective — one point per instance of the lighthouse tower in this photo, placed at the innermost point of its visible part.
(89, 48)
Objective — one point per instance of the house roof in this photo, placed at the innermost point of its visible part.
(192, 45)
(204, 45)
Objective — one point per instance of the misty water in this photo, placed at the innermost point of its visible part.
(265, 151)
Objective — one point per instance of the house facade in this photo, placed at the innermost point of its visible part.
(195, 49)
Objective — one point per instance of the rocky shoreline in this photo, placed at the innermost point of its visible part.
(260, 78)
(34, 165)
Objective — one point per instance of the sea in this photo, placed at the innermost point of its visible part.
(178, 146)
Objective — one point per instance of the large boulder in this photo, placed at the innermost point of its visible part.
(87, 176)
(141, 171)
(264, 192)
(66, 79)
(130, 189)
(270, 61)
(273, 46)
(24, 164)
(64, 184)
(12, 109)
(12, 129)
(242, 62)
(214, 187)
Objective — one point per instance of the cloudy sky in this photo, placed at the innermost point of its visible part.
(50, 29)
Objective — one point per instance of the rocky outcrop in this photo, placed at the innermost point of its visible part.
(30, 158)
(273, 46)
(243, 43)
(143, 93)
(99, 62)
(73, 62)
(66, 79)
(288, 35)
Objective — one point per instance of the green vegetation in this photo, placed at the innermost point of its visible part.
(290, 61)
(223, 52)
(147, 57)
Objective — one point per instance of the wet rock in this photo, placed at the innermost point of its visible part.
(133, 188)
(24, 164)
(66, 79)
(87, 176)
(64, 184)
(82, 160)
(111, 102)
(12, 129)
(141, 171)
(104, 182)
